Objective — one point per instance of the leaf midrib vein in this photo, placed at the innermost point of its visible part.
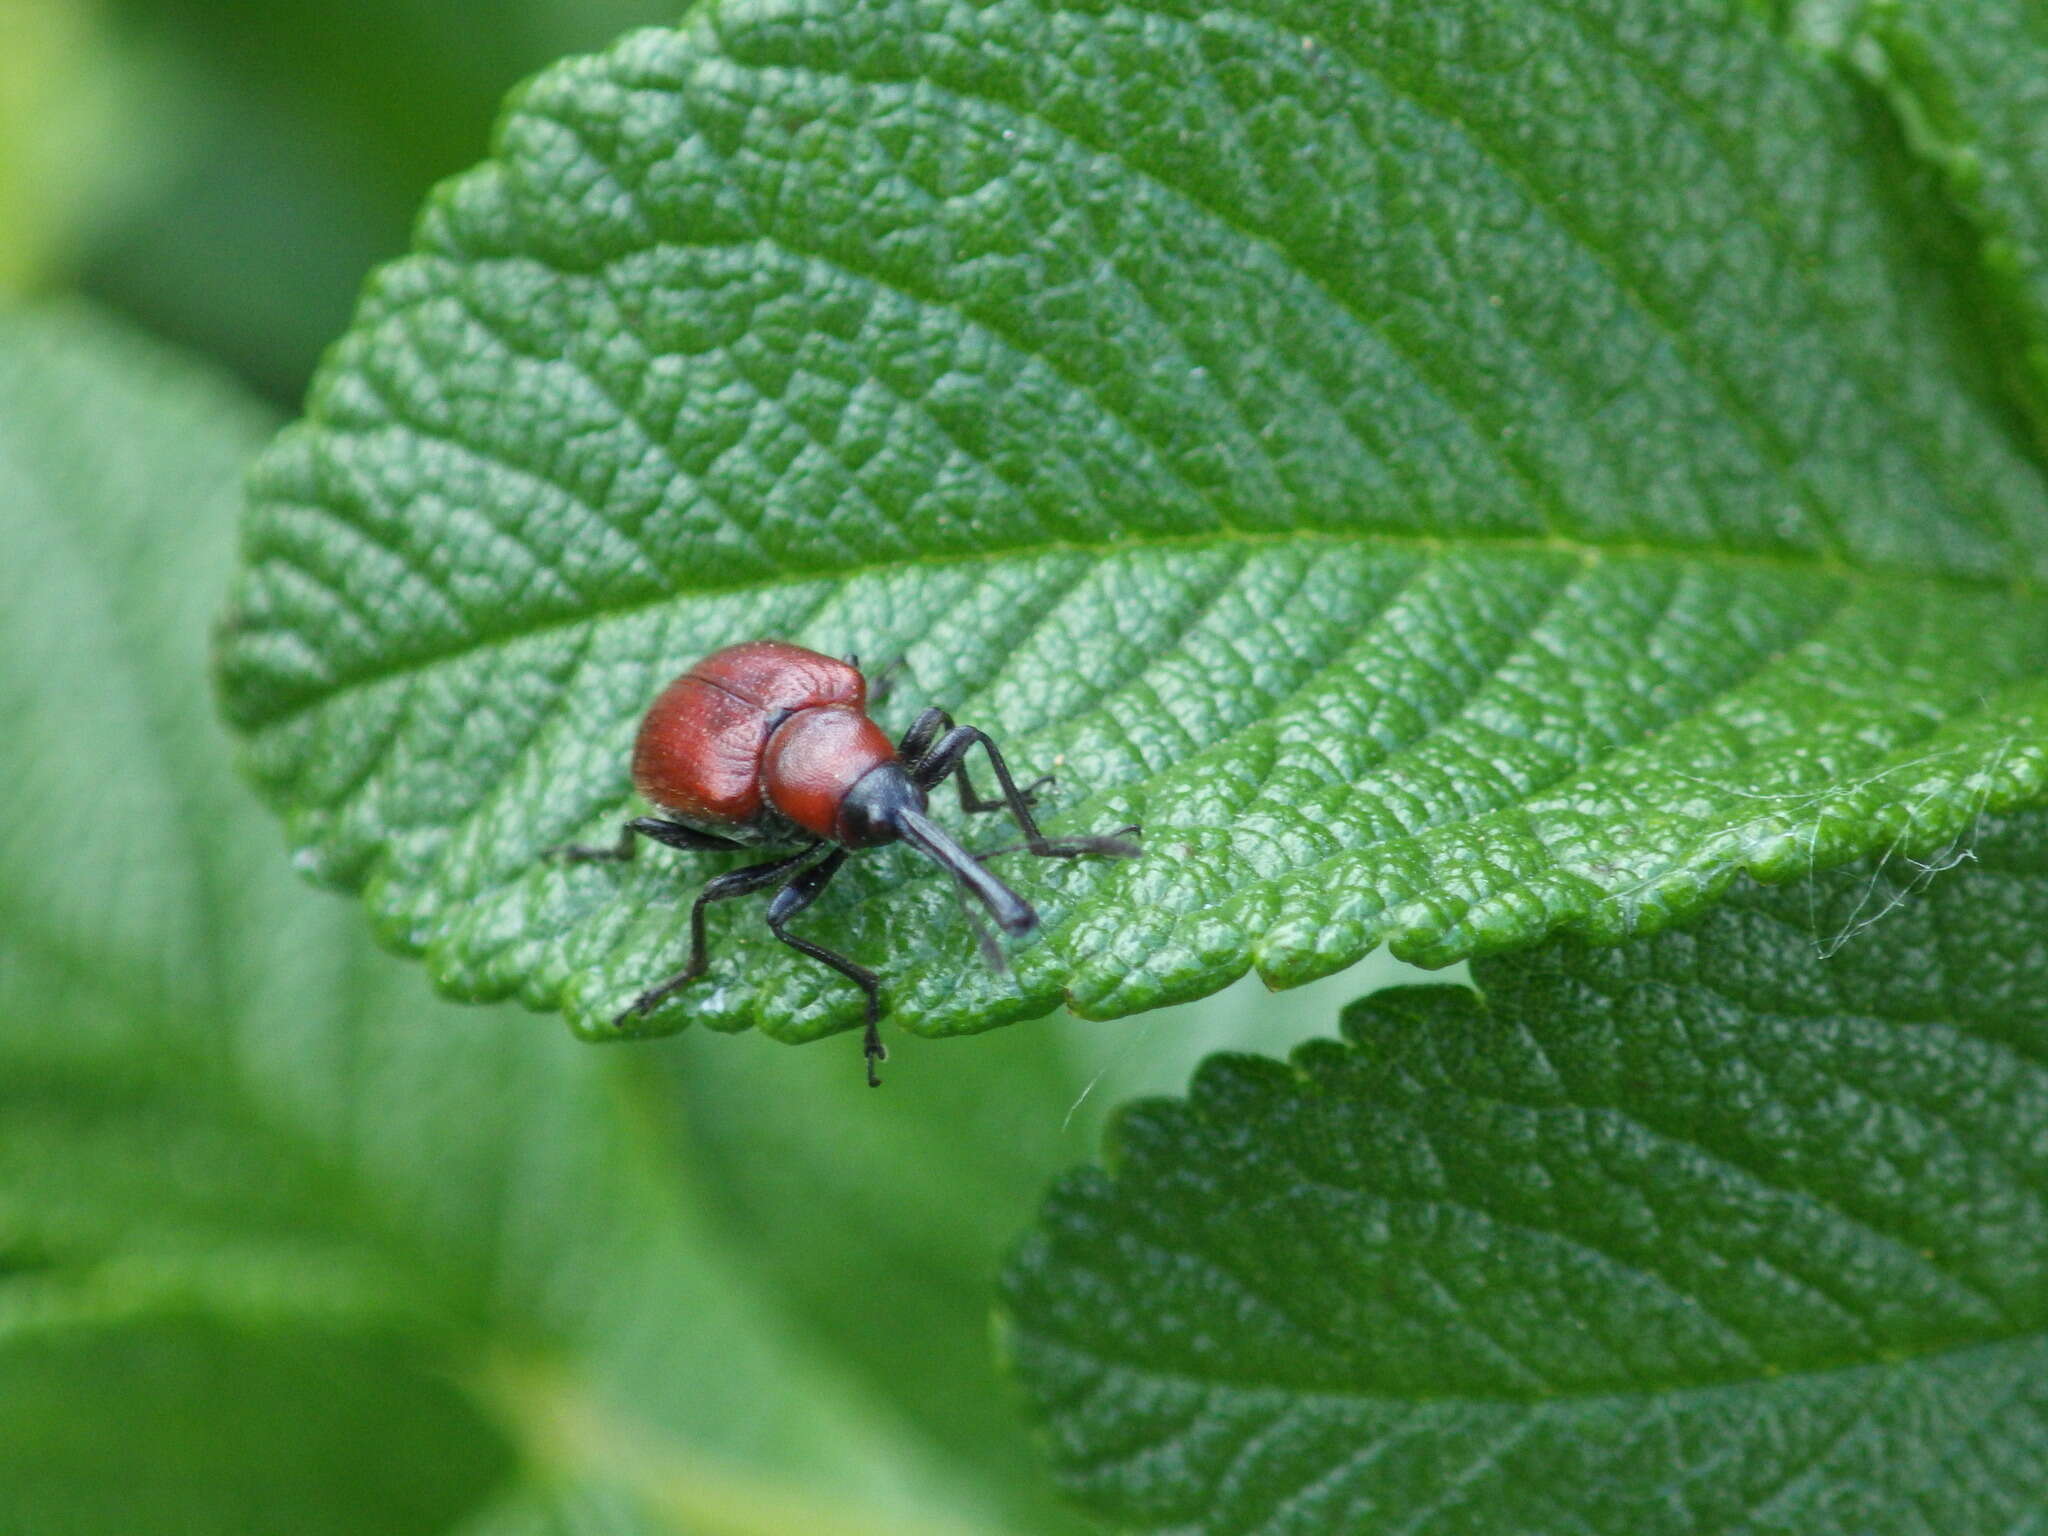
(1430, 545)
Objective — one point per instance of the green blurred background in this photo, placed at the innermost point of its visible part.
(225, 171)
(801, 1341)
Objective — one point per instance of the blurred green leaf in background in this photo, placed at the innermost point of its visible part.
(287, 146)
(72, 101)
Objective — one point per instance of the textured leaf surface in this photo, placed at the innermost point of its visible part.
(284, 1245)
(1971, 82)
(1451, 472)
(1701, 1234)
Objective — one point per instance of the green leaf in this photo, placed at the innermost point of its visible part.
(1436, 531)
(1970, 81)
(285, 1246)
(1704, 1233)
(302, 1432)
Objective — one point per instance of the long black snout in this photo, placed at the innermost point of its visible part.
(1012, 913)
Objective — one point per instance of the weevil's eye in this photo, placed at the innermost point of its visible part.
(868, 815)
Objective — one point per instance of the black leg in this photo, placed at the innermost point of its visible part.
(803, 889)
(948, 755)
(971, 800)
(737, 882)
(1118, 844)
(949, 752)
(924, 730)
(673, 833)
(917, 744)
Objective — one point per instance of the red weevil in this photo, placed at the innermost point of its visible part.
(770, 745)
